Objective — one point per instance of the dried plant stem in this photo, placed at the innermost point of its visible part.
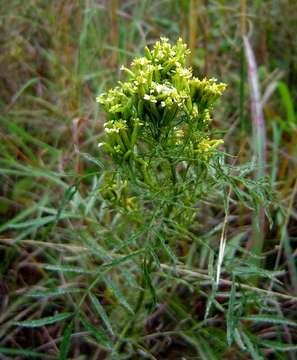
(259, 142)
(242, 80)
(243, 17)
(114, 31)
(284, 238)
(183, 271)
(223, 239)
(193, 21)
(206, 37)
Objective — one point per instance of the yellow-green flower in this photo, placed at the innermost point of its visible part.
(162, 93)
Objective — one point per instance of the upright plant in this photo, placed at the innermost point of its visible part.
(158, 130)
(158, 134)
(157, 266)
(166, 167)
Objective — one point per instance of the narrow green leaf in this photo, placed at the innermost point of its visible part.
(122, 259)
(36, 173)
(20, 216)
(34, 223)
(68, 196)
(167, 248)
(65, 269)
(130, 278)
(92, 159)
(54, 292)
(66, 342)
(203, 347)
(101, 312)
(22, 134)
(23, 88)
(269, 319)
(206, 348)
(97, 334)
(149, 283)
(287, 102)
(230, 313)
(118, 294)
(279, 346)
(238, 340)
(28, 354)
(251, 347)
(214, 287)
(290, 255)
(44, 321)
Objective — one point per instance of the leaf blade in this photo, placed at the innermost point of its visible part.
(43, 321)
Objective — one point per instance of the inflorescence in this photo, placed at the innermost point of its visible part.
(161, 103)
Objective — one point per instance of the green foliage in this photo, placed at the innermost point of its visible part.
(66, 342)
(44, 321)
(141, 248)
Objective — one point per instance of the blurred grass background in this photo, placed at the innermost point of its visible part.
(56, 56)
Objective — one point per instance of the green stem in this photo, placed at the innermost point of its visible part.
(130, 325)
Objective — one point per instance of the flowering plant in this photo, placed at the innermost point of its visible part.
(159, 119)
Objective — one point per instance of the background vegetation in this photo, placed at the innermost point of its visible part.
(72, 270)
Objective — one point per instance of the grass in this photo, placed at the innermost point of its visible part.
(83, 279)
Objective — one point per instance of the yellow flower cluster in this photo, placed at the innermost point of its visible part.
(206, 146)
(160, 94)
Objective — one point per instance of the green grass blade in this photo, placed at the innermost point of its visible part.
(118, 294)
(97, 334)
(269, 319)
(149, 282)
(28, 354)
(44, 321)
(54, 292)
(288, 104)
(101, 312)
(66, 341)
(231, 313)
(279, 346)
(251, 347)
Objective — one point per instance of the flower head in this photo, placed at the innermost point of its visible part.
(162, 94)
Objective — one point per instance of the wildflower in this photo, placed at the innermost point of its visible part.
(140, 62)
(101, 98)
(115, 126)
(206, 116)
(128, 71)
(163, 99)
(178, 135)
(116, 108)
(117, 149)
(206, 146)
(195, 111)
(150, 98)
(183, 72)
